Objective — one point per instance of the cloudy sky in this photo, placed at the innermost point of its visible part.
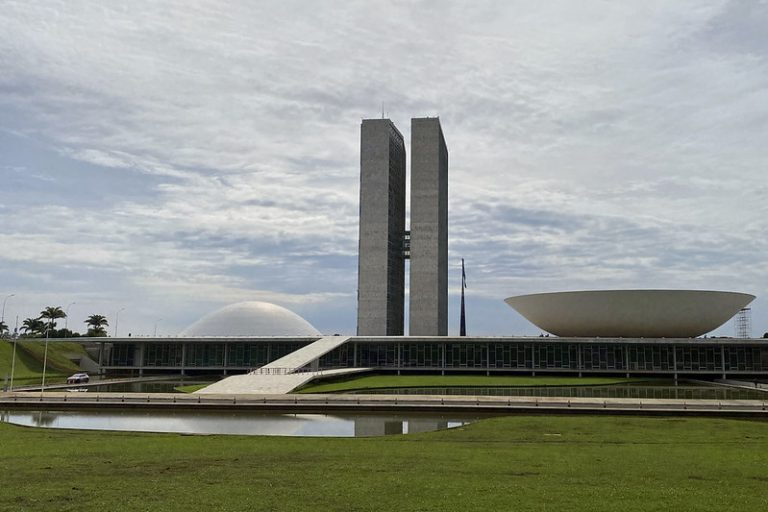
(169, 158)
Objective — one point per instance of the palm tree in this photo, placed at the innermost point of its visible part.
(33, 326)
(96, 324)
(51, 313)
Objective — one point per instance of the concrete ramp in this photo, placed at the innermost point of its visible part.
(270, 384)
(298, 359)
(285, 374)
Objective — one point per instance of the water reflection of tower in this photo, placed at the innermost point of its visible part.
(426, 425)
(43, 419)
(377, 426)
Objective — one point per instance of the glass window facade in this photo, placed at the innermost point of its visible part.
(421, 355)
(749, 359)
(204, 354)
(466, 355)
(122, 355)
(602, 357)
(510, 355)
(656, 358)
(698, 359)
(551, 356)
(341, 357)
(247, 355)
(650, 357)
(377, 355)
(163, 354)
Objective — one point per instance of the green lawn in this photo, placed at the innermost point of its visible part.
(191, 388)
(423, 381)
(542, 463)
(58, 352)
(29, 361)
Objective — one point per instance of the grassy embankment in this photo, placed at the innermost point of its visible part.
(513, 463)
(191, 388)
(29, 361)
(361, 383)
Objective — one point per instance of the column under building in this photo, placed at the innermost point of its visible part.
(428, 312)
(381, 263)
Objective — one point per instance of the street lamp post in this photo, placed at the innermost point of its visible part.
(45, 357)
(2, 317)
(156, 322)
(117, 317)
(66, 317)
(15, 338)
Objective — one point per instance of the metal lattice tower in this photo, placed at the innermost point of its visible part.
(743, 323)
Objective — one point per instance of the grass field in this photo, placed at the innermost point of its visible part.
(191, 388)
(357, 383)
(542, 463)
(29, 361)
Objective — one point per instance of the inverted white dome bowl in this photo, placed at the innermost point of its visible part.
(251, 319)
(630, 313)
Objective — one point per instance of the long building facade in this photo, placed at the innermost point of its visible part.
(717, 358)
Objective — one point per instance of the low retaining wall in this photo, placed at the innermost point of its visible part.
(310, 403)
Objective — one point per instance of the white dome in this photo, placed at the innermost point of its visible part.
(250, 319)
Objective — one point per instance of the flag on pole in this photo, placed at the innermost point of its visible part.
(463, 321)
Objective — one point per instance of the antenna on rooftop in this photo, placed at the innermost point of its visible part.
(382, 110)
(743, 323)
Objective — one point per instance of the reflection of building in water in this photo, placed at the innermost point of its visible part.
(377, 426)
(43, 419)
(426, 425)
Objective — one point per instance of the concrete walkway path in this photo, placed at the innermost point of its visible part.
(269, 384)
(303, 356)
(285, 374)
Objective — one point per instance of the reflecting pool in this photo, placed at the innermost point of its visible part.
(237, 423)
(157, 386)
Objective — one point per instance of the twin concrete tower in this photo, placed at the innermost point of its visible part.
(384, 242)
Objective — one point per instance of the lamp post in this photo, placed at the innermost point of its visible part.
(66, 316)
(15, 338)
(117, 317)
(156, 322)
(45, 357)
(2, 317)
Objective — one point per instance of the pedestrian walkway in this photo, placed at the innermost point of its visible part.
(305, 355)
(270, 384)
(285, 374)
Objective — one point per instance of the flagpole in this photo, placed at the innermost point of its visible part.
(463, 323)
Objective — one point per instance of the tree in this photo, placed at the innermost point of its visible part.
(33, 326)
(51, 313)
(765, 335)
(3, 328)
(96, 324)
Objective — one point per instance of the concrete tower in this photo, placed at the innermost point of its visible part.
(429, 229)
(381, 263)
